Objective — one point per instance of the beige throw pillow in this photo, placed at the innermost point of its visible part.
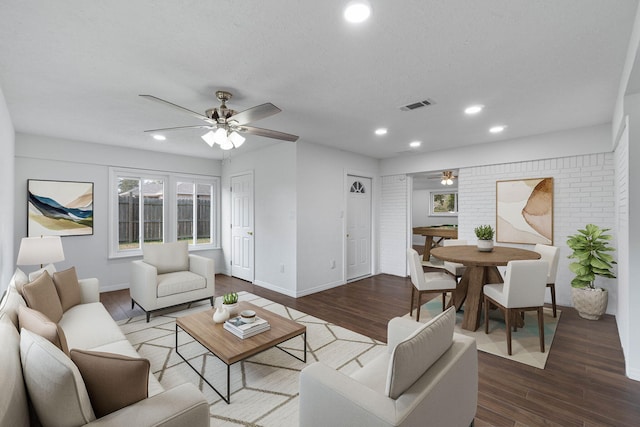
(412, 357)
(41, 295)
(113, 381)
(19, 279)
(54, 383)
(68, 288)
(38, 323)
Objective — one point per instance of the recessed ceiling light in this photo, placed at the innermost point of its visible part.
(357, 11)
(381, 131)
(473, 109)
(159, 137)
(415, 144)
(497, 129)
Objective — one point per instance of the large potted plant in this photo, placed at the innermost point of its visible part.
(590, 247)
(484, 233)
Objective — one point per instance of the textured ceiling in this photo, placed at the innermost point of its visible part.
(73, 69)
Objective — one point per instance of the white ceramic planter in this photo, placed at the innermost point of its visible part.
(485, 245)
(590, 303)
(232, 309)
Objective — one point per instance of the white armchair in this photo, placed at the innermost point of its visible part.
(168, 276)
(429, 377)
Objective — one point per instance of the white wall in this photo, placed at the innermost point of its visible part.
(583, 192)
(588, 140)
(274, 174)
(7, 144)
(38, 157)
(394, 226)
(321, 206)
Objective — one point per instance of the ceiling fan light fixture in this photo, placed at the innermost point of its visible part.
(447, 178)
(227, 145)
(209, 138)
(220, 136)
(236, 139)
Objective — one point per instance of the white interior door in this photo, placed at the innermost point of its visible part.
(358, 227)
(242, 227)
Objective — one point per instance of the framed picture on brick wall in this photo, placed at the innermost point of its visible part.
(524, 211)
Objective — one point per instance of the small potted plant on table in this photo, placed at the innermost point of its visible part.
(590, 247)
(484, 233)
(230, 302)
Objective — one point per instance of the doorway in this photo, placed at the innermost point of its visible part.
(242, 238)
(358, 227)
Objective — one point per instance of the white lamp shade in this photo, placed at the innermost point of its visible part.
(220, 137)
(236, 139)
(209, 138)
(40, 250)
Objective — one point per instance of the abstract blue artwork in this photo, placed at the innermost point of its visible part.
(59, 208)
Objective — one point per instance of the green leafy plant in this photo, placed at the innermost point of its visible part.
(230, 298)
(590, 247)
(484, 232)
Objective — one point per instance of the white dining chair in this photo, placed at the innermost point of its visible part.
(522, 290)
(431, 282)
(551, 254)
(455, 268)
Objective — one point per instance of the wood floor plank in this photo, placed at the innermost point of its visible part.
(583, 383)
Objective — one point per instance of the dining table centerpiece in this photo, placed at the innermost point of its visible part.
(485, 234)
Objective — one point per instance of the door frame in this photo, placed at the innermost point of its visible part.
(253, 213)
(374, 219)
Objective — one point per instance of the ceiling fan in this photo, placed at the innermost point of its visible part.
(225, 124)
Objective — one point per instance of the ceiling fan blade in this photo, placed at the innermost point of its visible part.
(184, 110)
(269, 133)
(254, 114)
(181, 127)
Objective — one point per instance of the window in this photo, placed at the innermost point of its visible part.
(154, 207)
(443, 203)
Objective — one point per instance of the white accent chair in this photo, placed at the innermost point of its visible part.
(424, 283)
(551, 254)
(455, 268)
(168, 276)
(428, 377)
(522, 290)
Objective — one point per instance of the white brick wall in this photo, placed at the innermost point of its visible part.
(393, 225)
(584, 192)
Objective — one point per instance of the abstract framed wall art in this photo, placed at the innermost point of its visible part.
(524, 211)
(59, 208)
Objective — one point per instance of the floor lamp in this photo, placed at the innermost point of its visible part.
(40, 250)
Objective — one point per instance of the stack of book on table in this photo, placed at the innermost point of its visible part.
(236, 326)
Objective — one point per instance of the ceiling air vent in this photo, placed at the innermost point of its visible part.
(416, 105)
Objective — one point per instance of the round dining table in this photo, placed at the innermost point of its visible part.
(481, 268)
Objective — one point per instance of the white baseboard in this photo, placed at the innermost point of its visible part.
(319, 288)
(275, 288)
(115, 287)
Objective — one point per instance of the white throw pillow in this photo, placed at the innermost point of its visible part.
(50, 268)
(412, 357)
(55, 385)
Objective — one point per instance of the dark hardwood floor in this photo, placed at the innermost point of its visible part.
(583, 383)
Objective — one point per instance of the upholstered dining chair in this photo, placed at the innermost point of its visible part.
(522, 290)
(431, 282)
(455, 268)
(551, 254)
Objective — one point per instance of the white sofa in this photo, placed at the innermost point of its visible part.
(429, 377)
(168, 276)
(88, 326)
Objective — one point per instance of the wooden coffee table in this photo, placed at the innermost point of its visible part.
(231, 349)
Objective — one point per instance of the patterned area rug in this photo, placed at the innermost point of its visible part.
(264, 388)
(525, 342)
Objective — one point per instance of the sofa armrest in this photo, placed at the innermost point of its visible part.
(89, 290)
(143, 283)
(398, 329)
(331, 398)
(204, 267)
(183, 405)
